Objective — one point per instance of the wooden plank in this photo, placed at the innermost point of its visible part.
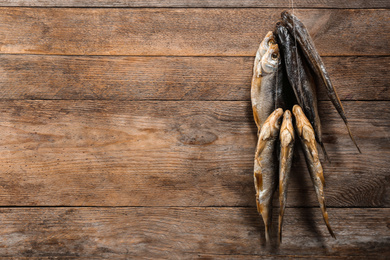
(177, 78)
(109, 153)
(200, 3)
(178, 233)
(183, 32)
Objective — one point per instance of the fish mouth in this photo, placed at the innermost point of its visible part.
(276, 117)
(268, 40)
(285, 15)
(287, 122)
(297, 110)
(271, 59)
(287, 114)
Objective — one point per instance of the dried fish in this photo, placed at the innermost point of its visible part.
(306, 135)
(265, 168)
(301, 80)
(296, 27)
(287, 140)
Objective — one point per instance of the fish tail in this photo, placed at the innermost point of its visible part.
(282, 203)
(351, 136)
(326, 219)
(340, 110)
(281, 214)
(266, 215)
(324, 152)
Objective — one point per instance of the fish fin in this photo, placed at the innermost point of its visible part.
(265, 134)
(265, 215)
(257, 119)
(266, 218)
(259, 71)
(258, 206)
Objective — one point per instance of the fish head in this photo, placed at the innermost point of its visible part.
(287, 121)
(283, 36)
(271, 126)
(287, 129)
(267, 41)
(286, 16)
(271, 59)
(300, 119)
(264, 45)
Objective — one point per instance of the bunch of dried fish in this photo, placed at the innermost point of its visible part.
(286, 71)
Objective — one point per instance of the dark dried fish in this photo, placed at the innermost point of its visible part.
(296, 27)
(301, 80)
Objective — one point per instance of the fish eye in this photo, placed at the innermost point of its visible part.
(274, 56)
(271, 41)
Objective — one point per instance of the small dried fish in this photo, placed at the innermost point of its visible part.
(306, 135)
(265, 168)
(287, 140)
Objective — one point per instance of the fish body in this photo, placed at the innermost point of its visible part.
(306, 134)
(296, 27)
(301, 80)
(265, 167)
(264, 80)
(287, 140)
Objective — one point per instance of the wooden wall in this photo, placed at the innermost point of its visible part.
(126, 130)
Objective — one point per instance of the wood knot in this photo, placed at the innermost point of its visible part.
(197, 137)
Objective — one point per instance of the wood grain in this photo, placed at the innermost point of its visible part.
(169, 78)
(109, 153)
(200, 3)
(183, 32)
(187, 232)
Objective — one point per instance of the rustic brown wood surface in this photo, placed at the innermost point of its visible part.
(105, 153)
(119, 140)
(202, 3)
(151, 232)
(170, 78)
(183, 32)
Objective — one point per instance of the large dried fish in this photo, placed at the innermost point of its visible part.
(306, 135)
(265, 168)
(296, 27)
(264, 80)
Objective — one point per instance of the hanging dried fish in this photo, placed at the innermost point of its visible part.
(265, 168)
(287, 140)
(296, 28)
(264, 79)
(301, 80)
(284, 74)
(306, 135)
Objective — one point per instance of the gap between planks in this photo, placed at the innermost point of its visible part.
(341, 4)
(192, 207)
